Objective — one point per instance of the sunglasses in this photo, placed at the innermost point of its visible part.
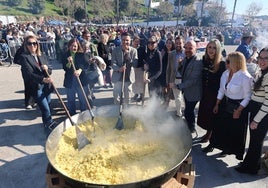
(31, 43)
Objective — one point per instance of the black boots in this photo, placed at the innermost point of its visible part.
(208, 149)
(137, 97)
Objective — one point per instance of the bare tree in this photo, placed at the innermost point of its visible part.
(217, 12)
(253, 9)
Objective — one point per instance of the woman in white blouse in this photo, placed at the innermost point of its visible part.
(229, 132)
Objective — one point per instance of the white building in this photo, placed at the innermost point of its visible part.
(8, 19)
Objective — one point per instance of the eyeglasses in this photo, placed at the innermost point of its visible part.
(151, 43)
(262, 59)
(31, 43)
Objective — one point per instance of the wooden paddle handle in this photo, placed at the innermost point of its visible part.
(59, 97)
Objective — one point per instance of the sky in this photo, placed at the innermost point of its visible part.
(242, 6)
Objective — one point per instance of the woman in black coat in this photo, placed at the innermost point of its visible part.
(35, 71)
(153, 65)
(213, 67)
(75, 55)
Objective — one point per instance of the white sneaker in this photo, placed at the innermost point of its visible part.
(179, 114)
(29, 107)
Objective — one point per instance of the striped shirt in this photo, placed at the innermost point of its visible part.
(261, 96)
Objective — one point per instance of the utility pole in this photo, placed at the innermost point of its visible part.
(233, 13)
(202, 9)
(148, 12)
(117, 12)
(178, 15)
(85, 6)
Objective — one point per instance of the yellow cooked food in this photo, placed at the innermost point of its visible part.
(115, 156)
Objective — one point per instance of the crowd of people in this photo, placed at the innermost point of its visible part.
(231, 89)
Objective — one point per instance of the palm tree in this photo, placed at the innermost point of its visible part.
(233, 13)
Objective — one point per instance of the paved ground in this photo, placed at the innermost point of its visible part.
(23, 161)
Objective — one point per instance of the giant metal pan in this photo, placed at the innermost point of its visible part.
(181, 132)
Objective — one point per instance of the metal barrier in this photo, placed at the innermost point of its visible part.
(13, 46)
(8, 50)
(4, 49)
(48, 48)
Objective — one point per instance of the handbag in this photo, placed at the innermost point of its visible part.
(92, 74)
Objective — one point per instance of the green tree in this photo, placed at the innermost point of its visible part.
(189, 11)
(69, 7)
(101, 9)
(165, 8)
(14, 2)
(124, 5)
(62, 5)
(122, 9)
(182, 3)
(80, 14)
(36, 6)
(134, 9)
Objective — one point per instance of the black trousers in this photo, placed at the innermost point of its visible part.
(252, 160)
(29, 95)
(189, 113)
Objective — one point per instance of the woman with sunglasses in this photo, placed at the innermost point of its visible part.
(153, 65)
(35, 70)
(258, 108)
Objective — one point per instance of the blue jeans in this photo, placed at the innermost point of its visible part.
(43, 100)
(71, 97)
(189, 113)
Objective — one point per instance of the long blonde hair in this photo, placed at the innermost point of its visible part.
(218, 57)
(237, 61)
